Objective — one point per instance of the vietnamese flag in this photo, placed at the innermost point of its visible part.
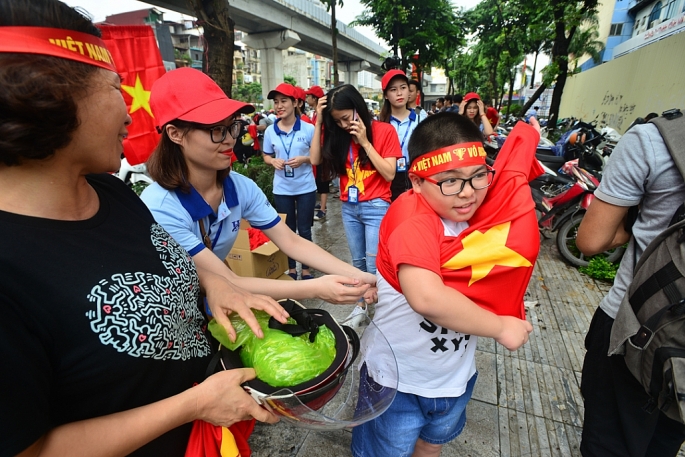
(492, 260)
(494, 257)
(139, 64)
(207, 440)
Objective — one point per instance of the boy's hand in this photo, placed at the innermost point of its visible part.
(514, 333)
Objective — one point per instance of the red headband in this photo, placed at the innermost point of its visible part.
(448, 158)
(66, 44)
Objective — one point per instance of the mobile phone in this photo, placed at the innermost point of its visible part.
(354, 115)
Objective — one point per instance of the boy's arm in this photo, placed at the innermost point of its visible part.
(430, 297)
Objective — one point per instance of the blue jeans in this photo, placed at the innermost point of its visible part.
(362, 222)
(410, 417)
(299, 211)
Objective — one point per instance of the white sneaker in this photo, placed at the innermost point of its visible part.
(357, 316)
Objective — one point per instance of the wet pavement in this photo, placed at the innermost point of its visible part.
(525, 403)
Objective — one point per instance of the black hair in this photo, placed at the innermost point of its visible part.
(39, 93)
(441, 100)
(440, 130)
(449, 98)
(413, 82)
(386, 109)
(457, 99)
(336, 141)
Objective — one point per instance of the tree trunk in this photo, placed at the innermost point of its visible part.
(535, 65)
(334, 40)
(511, 91)
(218, 34)
(533, 98)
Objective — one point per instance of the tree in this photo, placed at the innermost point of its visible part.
(290, 80)
(248, 93)
(219, 35)
(585, 42)
(330, 7)
(423, 28)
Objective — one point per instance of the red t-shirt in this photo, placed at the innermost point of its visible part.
(491, 261)
(367, 179)
(305, 118)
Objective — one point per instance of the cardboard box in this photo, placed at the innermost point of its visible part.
(267, 261)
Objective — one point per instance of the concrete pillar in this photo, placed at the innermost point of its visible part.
(351, 69)
(271, 45)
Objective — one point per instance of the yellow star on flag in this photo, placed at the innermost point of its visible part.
(140, 96)
(482, 251)
(357, 179)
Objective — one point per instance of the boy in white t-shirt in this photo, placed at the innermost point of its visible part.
(455, 256)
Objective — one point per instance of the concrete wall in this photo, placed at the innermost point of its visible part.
(649, 79)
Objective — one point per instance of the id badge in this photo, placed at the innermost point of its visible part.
(353, 195)
(402, 164)
(289, 171)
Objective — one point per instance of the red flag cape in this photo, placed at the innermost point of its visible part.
(492, 260)
(139, 63)
(207, 440)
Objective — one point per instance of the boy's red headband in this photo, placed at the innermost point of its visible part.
(448, 158)
(66, 44)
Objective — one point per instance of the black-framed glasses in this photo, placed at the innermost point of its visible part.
(218, 132)
(453, 186)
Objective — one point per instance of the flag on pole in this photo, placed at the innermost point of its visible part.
(139, 63)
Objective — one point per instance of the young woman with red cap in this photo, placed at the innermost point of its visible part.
(473, 108)
(101, 338)
(395, 86)
(364, 155)
(286, 148)
(200, 202)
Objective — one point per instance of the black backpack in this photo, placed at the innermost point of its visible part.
(649, 329)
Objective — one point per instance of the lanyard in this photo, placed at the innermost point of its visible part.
(406, 132)
(354, 172)
(287, 150)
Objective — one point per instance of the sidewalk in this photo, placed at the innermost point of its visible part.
(526, 403)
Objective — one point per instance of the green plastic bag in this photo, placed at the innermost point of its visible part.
(279, 359)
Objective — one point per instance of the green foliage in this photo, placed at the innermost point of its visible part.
(600, 268)
(248, 93)
(290, 80)
(138, 187)
(430, 28)
(261, 173)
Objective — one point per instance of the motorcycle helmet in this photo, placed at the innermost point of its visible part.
(343, 396)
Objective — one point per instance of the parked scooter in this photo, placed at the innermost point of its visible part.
(564, 212)
(132, 174)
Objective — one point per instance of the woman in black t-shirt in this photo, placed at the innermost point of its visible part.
(101, 338)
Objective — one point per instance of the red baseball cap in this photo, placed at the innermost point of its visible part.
(471, 96)
(300, 93)
(392, 74)
(190, 95)
(285, 89)
(316, 91)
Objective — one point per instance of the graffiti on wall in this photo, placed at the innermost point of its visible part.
(615, 112)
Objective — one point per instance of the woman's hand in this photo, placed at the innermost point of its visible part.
(340, 289)
(278, 164)
(320, 107)
(481, 107)
(462, 107)
(221, 400)
(225, 298)
(358, 132)
(297, 161)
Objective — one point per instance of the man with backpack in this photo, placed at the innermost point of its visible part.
(618, 419)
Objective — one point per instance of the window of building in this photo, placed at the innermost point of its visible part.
(616, 29)
(670, 9)
(655, 15)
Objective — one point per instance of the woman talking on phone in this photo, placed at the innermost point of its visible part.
(364, 154)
